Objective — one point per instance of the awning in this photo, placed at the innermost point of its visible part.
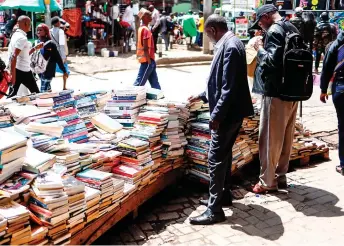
(37, 6)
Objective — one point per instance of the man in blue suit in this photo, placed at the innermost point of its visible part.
(229, 101)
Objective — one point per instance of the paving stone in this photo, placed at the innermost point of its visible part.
(238, 221)
(250, 229)
(196, 242)
(252, 220)
(188, 211)
(325, 199)
(173, 207)
(316, 194)
(206, 231)
(190, 237)
(146, 226)
(296, 197)
(186, 230)
(168, 216)
(136, 232)
(273, 221)
(151, 217)
(178, 200)
(222, 230)
(237, 239)
(298, 191)
(218, 240)
(241, 206)
(126, 237)
(240, 213)
(261, 225)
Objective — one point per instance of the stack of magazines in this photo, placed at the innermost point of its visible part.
(5, 117)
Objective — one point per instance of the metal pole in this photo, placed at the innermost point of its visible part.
(207, 11)
(47, 16)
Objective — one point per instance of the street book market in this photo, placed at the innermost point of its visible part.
(73, 165)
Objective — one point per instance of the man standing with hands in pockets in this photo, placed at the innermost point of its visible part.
(229, 101)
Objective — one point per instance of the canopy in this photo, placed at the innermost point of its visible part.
(30, 5)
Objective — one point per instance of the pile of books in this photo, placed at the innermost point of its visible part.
(39, 235)
(17, 187)
(92, 197)
(12, 153)
(125, 104)
(37, 161)
(5, 117)
(106, 160)
(14, 223)
(118, 189)
(65, 107)
(70, 160)
(77, 203)
(49, 144)
(101, 181)
(49, 205)
(251, 128)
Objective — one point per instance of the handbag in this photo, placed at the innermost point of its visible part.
(38, 62)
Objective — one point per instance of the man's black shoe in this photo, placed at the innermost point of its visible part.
(208, 218)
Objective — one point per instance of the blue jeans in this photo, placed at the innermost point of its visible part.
(148, 72)
(199, 40)
(338, 101)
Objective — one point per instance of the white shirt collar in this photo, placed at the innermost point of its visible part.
(220, 42)
(22, 32)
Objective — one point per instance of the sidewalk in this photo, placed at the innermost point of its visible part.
(97, 64)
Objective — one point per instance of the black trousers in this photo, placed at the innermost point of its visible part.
(318, 54)
(27, 79)
(220, 162)
(155, 38)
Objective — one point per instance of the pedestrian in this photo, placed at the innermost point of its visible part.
(165, 24)
(325, 33)
(277, 117)
(128, 16)
(298, 21)
(58, 37)
(145, 53)
(200, 30)
(155, 25)
(189, 26)
(50, 54)
(310, 25)
(333, 70)
(251, 32)
(19, 51)
(10, 25)
(229, 101)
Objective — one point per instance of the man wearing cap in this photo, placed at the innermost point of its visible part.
(230, 102)
(277, 118)
(145, 52)
(155, 24)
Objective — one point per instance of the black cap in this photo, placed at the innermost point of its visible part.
(262, 10)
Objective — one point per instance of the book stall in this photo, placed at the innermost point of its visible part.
(73, 165)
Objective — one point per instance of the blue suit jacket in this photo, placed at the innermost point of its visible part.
(228, 92)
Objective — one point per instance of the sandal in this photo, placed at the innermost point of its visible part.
(340, 170)
(259, 189)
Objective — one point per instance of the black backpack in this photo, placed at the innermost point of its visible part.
(297, 77)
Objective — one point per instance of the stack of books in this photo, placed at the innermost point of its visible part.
(106, 160)
(3, 227)
(39, 235)
(12, 153)
(65, 107)
(5, 117)
(71, 160)
(77, 203)
(118, 190)
(49, 204)
(18, 229)
(48, 144)
(101, 181)
(154, 94)
(106, 123)
(125, 104)
(92, 197)
(37, 161)
(17, 187)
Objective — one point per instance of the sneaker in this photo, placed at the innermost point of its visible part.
(340, 170)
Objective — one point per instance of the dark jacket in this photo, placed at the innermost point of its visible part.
(268, 74)
(228, 92)
(330, 62)
(325, 33)
(299, 23)
(51, 53)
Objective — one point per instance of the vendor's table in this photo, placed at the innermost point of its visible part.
(99, 226)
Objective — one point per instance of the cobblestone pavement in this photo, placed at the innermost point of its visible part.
(309, 212)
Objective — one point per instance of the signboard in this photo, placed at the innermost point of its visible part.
(69, 4)
(241, 27)
(243, 4)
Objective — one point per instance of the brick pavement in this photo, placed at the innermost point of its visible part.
(310, 212)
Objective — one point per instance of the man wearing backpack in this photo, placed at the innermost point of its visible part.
(278, 116)
(333, 70)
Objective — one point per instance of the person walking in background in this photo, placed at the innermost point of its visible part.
(230, 102)
(277, 118)
(50, 54)
(189, 26)
(200, 27)
(333, 70)
(145, 53)
(19, 51)
(128, 16)
(155, 25)
(10, 24)
(165, 24)
(58, 37)
(298, 21)
(310, 25)
(325, 33)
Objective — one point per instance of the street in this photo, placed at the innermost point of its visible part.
(310, 213)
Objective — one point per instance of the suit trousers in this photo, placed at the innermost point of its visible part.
(220, 162)
(276, 132)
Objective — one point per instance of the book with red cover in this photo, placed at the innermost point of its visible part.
(127, 171)
(67, 112)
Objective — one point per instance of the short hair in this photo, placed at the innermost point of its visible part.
(55, 20)
(216, 21)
